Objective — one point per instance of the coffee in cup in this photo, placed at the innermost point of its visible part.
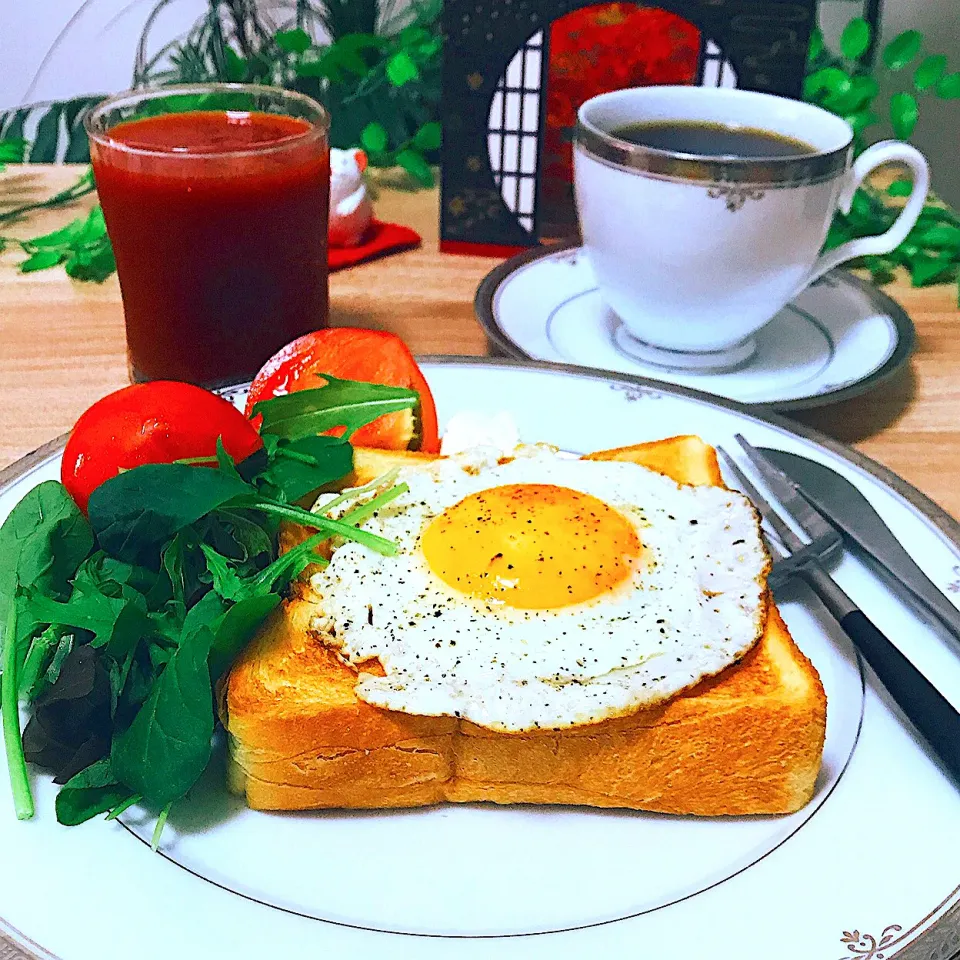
(704, 211)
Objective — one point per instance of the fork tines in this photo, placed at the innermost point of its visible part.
(824, 539)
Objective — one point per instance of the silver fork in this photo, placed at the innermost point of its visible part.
(929, 711)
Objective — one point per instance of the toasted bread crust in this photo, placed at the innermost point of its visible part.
(748, 741)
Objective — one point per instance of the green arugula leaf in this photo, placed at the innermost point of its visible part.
(90, 792)
(348, 404)
(226, 582)
(167, 746)
(225, 462)
(126, 581)
(114, 623)
(136, 512)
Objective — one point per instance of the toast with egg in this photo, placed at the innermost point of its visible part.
(746, 741)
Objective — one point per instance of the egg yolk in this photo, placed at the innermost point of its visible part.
(533, 546)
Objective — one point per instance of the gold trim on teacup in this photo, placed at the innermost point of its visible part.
(766, 172)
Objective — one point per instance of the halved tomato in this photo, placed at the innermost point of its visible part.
(373, 356)
(156, 422)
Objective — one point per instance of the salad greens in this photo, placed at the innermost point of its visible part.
(117, 626)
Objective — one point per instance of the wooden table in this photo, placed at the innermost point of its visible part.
(62, 342)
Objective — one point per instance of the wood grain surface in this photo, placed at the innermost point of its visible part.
(62, 342)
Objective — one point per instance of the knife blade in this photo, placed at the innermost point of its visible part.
(846, 507)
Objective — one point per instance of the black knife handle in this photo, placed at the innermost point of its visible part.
(929, 711)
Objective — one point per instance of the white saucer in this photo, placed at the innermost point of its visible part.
(838, 339)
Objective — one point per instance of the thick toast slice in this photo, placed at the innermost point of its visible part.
(748, 741)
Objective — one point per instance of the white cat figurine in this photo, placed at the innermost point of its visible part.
(350, 208)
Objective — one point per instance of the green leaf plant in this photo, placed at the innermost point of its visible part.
(378, 73)
(375, 65)
(843, 83)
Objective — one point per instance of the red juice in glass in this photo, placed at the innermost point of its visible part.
(216, 202)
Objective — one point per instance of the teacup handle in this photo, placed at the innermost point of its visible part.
(889, 151)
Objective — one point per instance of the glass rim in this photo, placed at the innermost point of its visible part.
(319, 125)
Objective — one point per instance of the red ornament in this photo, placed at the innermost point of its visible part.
(602, 48)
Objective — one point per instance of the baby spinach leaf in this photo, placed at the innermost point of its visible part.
(235, 629)
(302, 466)
(349, 404)
(43, 541)
(136, 512)
(205, 612)
(91, 791)
(167, 746)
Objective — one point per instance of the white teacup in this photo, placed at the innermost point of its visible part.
(694, 254)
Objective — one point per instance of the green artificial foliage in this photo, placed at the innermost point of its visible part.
(843, 83)
(375, 65)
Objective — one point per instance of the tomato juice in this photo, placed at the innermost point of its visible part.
(218, 220)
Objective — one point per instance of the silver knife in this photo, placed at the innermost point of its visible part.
(842, 503)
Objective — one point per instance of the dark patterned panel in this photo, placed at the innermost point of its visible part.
(765, 41)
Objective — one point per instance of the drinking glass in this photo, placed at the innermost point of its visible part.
(215, 198)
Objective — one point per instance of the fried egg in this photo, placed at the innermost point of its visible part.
(542, 592)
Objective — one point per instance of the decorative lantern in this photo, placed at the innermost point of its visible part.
(516, 71)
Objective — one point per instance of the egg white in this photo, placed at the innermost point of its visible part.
(692, 607)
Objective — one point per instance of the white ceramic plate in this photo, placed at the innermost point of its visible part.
(870, 868)
(837, 339)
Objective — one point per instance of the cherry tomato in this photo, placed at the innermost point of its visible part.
(156, 422)
(373, 356)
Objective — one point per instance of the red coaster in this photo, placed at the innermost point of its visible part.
(381, 239)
